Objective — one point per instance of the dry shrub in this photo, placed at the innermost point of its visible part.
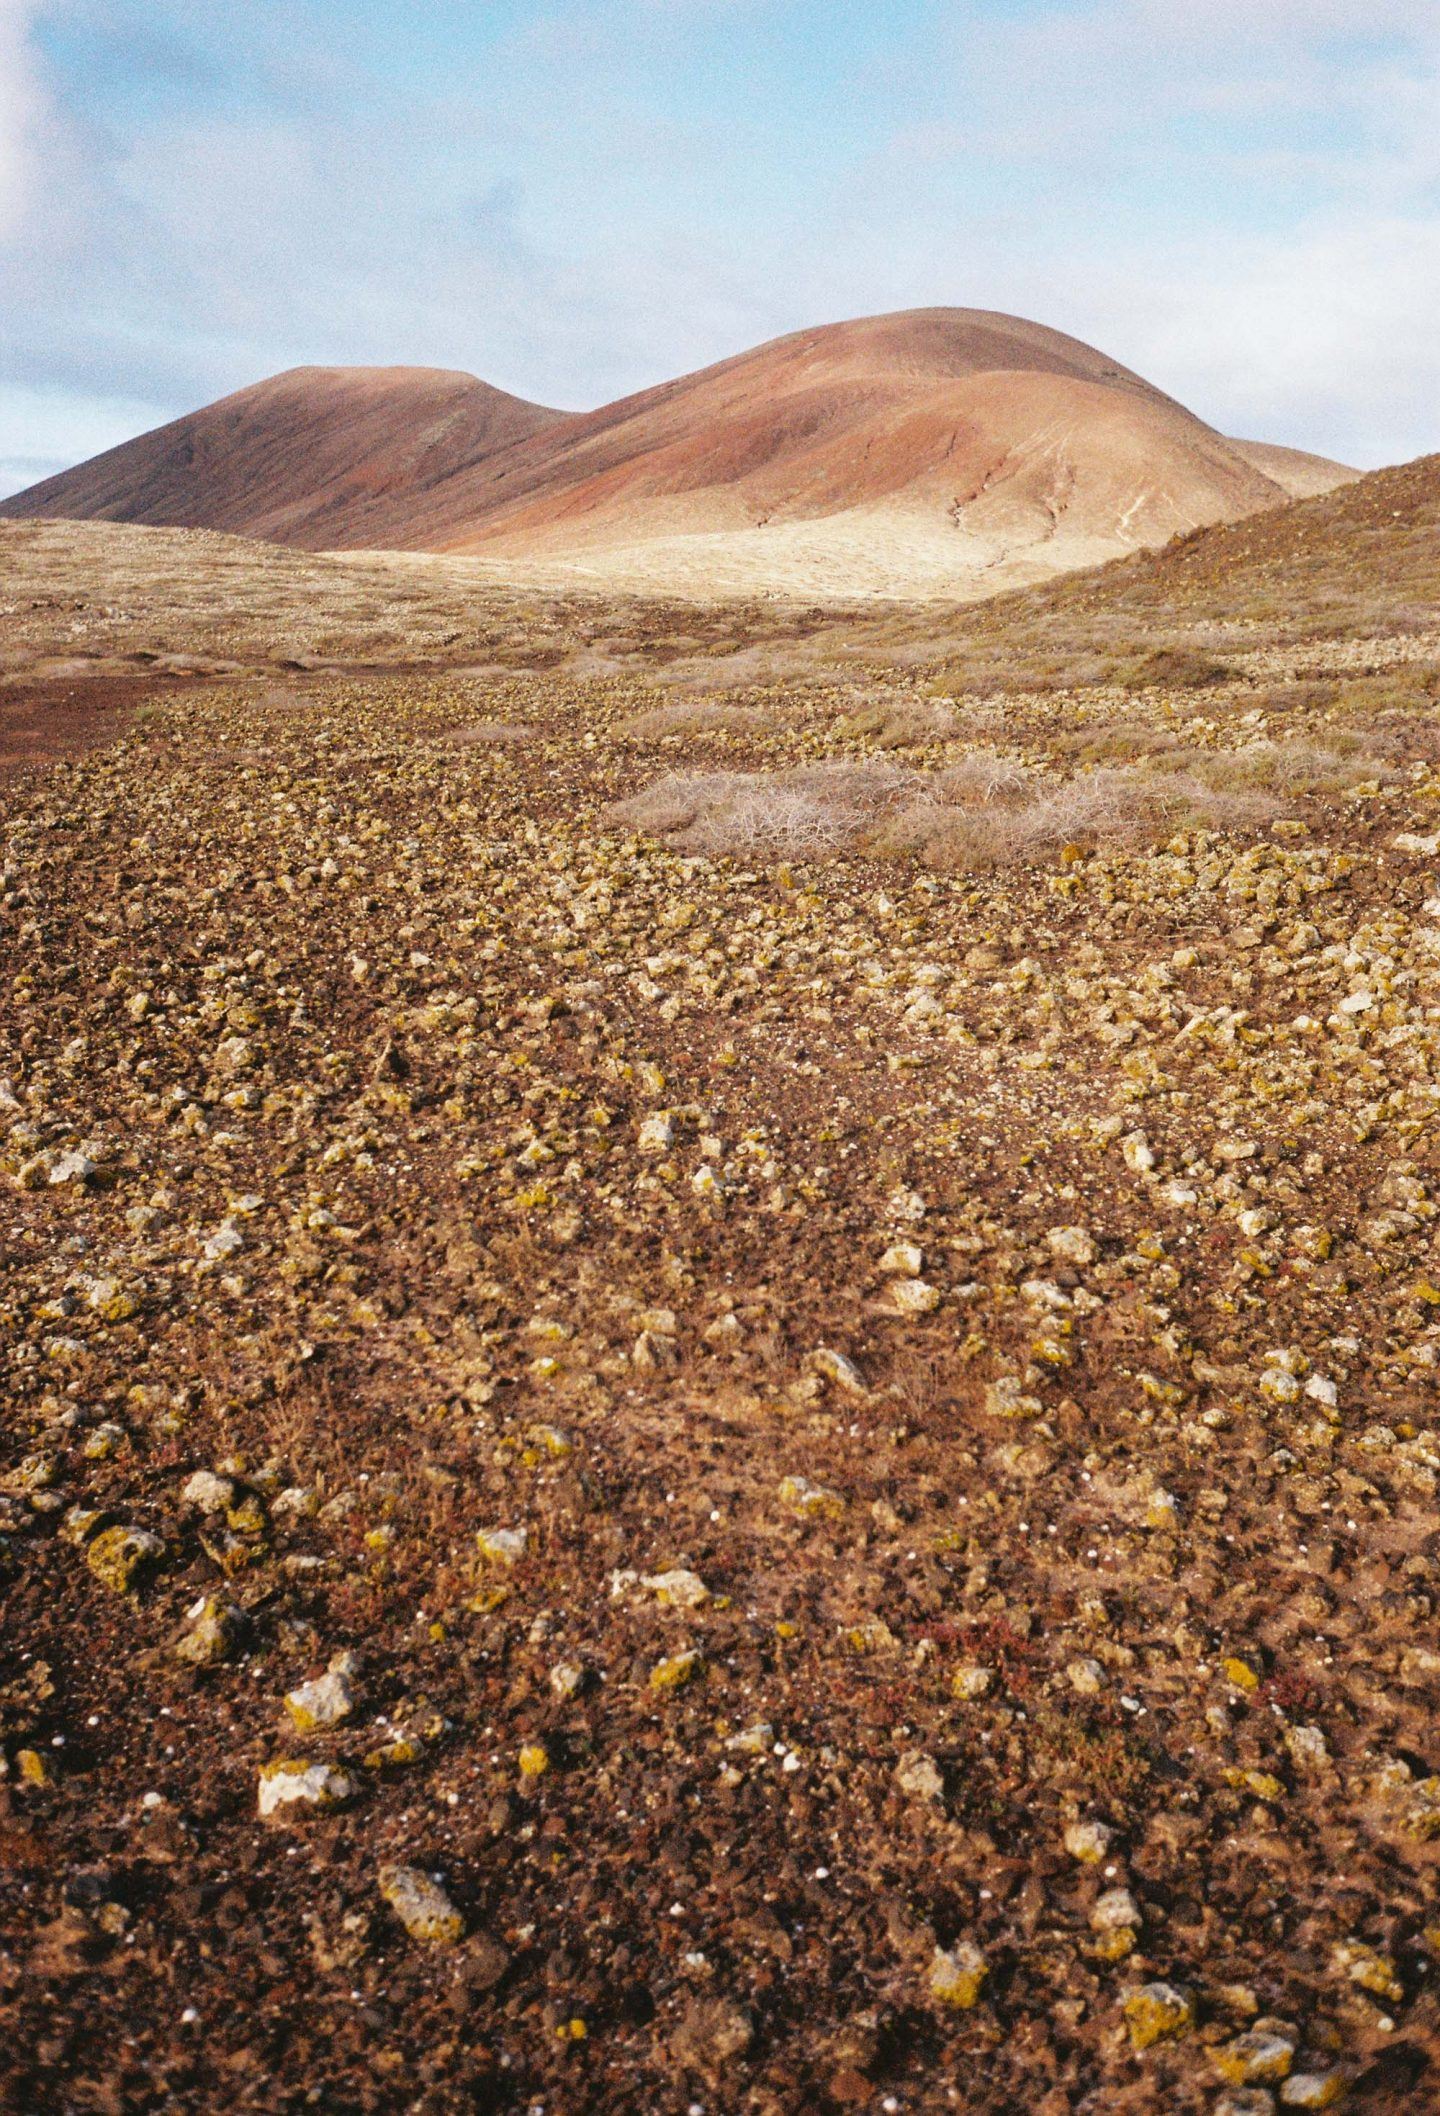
(1115, 742)
(817, 808)
(1097, 807)
(744, 669)
(902, 723)
(1172, 668)
(985, 778)
(1314, 695)
(705, 717)
(1412, 689)
(1287, 770)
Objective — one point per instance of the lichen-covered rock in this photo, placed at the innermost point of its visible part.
(677, 1588)
(329, 1699)
(503, 1546)
(121, 1558)
(676, 1670)
(214, 1631)
(1369, 1967)
(207, 1492)
(957, 1975)
(1088, 1842)
(1158, 2013)
(422, 1905)
(814, 1501)
(291, 1784)
(1255, 2058)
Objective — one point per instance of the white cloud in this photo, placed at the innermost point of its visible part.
(22, 106)
(43, 430)
(1232, 196)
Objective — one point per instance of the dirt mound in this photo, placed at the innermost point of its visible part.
(1295, 470)
(313, 457)
(936, 451)
(980, 447)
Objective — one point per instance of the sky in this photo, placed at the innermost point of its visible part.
(1238, 198)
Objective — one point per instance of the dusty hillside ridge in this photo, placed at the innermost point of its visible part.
(939, 451)
(1302, 475)
(718, 1334)
(312, 457)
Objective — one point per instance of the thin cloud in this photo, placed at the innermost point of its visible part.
(1238, 199)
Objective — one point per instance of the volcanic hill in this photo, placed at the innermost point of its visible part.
(946, 451)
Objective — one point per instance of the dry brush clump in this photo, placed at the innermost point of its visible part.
(901, 723)
(812, 809)
(1037, 818)
(498, 734)
(987, 810)
(703, 717)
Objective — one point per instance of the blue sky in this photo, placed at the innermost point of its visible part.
(1241, 198)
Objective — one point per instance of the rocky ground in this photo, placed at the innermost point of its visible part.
(642, 1481)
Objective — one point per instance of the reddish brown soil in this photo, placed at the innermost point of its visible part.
(45, 721)
(386, 1133)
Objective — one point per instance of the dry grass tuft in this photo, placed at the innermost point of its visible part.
(1098, 807)
(901, 723)
(817, 808)
(1173, 668)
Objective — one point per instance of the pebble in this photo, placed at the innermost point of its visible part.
(1088, 1842)
(292, 1783)
(957, 1975)
(1158, 2013)
(503, 1546)
(121, 1557)
(422, 1905)
(327, 1701)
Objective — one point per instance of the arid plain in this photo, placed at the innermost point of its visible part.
(721, 1329)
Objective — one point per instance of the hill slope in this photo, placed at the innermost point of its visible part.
(932, 449)
(1302, 475)
(313, 457)
(935, 451)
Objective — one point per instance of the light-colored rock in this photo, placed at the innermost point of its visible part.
(1138, 1153)
(1256, 2058)
(329, 1700)
(292, 1783)
(957, 1975)
(913, 1296)
(214, 1631)
(1088, 1842)
(422, 1905)
(834, 1367)
(902, 1260)
(1158, 2013)
(503, 1546)
(919, 1775)
(120, 1557)
(208, 1493)
(814, 1501)
(677, 1589)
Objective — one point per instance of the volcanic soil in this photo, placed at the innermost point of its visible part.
(720, 1341)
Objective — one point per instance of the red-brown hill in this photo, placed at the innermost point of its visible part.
(932, 450)
(315, 457)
